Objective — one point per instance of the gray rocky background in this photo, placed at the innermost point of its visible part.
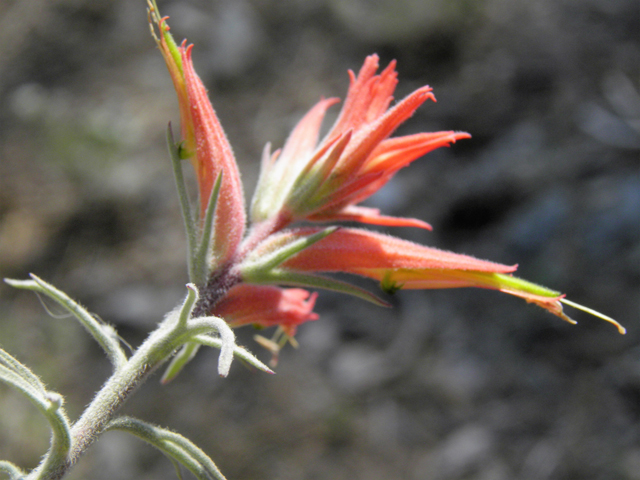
(448, 385)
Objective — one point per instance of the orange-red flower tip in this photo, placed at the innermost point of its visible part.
(371, 216)
(546, 298)
(400, 264)
(267, 306)
(205, 144)
(213, 155)
(322, 181)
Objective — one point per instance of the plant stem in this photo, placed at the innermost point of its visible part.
(215, 289)
(111, 397)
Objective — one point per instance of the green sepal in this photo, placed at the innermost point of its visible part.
(389, 286)
(297, 279)
(179, 361)
(183, 153)
(254, 270)
(201, 260)
(303, 196)
(510, 282)
(173, 445)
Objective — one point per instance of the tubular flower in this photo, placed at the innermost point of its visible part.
(313, 179)
(324, 181)
(400, 264)
(267, 306)
(206, 146)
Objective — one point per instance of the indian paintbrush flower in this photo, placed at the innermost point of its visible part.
(324, 181)
(399, 264)
(237, 278)
(205, 144)
(320, 180)
(267, 306)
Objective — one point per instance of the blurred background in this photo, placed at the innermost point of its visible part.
(447, 385)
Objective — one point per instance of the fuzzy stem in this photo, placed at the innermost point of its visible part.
(156, 349)
(107, 402)
(215, 290)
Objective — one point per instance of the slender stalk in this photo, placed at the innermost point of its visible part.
(107, 402)
(173, 332)
(216, 288)
(185, 204)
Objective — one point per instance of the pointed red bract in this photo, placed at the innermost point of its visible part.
(368, 253)
(213, 157)
(267, 306)
(309, 183)
(372, 216)
(205, 144)
(368, 97)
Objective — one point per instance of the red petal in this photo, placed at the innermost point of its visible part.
(369, 96)
(367, 138)
(214, 155)
(398, 152)
(353, 213)
(304, 137)
(267, 306)
(347, 250)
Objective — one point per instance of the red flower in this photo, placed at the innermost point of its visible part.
(206, 145)
(318, 181)
(267, 306)
(400, 264)
(323, 181)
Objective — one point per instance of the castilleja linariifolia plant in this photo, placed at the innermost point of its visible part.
(264, 267)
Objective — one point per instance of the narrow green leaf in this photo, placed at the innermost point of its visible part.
(37, 396)
(50, 405)
(21, 370)
(296, 279)
(174, 445)
(179, 361)
(185, 203)
(254, 270)
(104, 336)
(206, 325)
(201, 260)
(238, 352)
(187, 306)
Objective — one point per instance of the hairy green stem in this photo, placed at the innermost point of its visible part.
(107, 402)
(173, 332)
